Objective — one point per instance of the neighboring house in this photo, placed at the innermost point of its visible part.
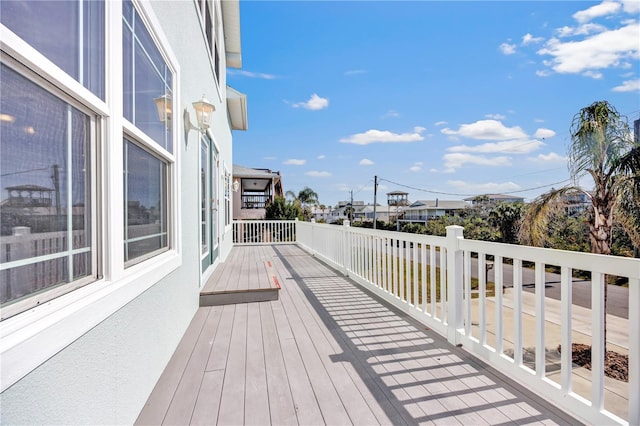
(423, 210)
(253, 190)
(361, 212)
(491, 199)
(115, 195)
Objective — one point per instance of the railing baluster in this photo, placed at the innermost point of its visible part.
(498, 286)
(566, 296)
(482, 291)
(467, 292)
(432, 280)
(597, 340)
(540, 320)
(634, 351)
(517, 311)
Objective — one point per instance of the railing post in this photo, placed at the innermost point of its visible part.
(454, 283)
(346, 247)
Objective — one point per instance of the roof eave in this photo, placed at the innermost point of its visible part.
(231, 25)
(237, 107)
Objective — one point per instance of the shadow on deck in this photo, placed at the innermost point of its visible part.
(329, 352)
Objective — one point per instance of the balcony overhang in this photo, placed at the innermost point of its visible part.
(237, 107)
(231, 24)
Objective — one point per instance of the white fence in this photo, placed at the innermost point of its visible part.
(473, 293)
(264, 232)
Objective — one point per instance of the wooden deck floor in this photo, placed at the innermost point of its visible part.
(328, 352)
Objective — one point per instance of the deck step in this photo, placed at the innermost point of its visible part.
(239, 296)
(258, 282)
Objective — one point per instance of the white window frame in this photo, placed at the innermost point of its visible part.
(47, 294)
(32, 337)
(216, 20)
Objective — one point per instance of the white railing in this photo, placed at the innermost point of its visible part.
(264, 232)
(473, 292)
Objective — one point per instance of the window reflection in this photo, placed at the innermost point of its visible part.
(146, 77)
(52, 28)
(45, 224)
(145, 203)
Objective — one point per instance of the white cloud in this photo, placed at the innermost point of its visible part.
(366, 162)
(355, 72)
(314, 103)
(529, 39)
(550, 157)
(321, 157)
(487, 130)
(543, 133)
(608, 49)
(295, 162)
(440, 123)
(384, 136)
(631, 6)
(628, 86)
(316, 173)
(584, 29)
(496, 116)
(270, 158)
(456, 160)
(484, 188)
(508, 49)
(391, 114)
(250, 74)
(603, 9)
(521, 146)
(417, 166)
(596, 75)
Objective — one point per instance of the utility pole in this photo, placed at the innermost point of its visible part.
(375, 195)
(351, 207)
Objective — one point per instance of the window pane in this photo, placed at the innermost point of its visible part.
(147, 79)
(44, 203)
(69, 33)
(145, 203)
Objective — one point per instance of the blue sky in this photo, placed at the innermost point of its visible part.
(441, 99)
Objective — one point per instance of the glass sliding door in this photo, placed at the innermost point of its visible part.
(208, 202)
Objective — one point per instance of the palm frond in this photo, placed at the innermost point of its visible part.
(534, 227)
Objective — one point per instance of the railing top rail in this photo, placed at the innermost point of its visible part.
(606, 264)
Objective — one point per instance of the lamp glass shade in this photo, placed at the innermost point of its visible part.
(165, 106)
(236, 185)
(204, 110)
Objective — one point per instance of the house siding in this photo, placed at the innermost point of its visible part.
(106, 375)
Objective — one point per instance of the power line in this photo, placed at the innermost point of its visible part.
(470, 195)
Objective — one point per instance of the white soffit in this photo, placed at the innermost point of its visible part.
(237, 107)
(231, 25)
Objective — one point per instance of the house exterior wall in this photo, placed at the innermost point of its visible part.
(96, 358)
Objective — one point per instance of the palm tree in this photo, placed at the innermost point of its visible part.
(304, 199)
(602, 147)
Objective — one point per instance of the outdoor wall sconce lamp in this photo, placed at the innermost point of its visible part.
(204, 110)
(236, 185)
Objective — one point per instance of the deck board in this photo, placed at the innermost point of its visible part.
(327, 352)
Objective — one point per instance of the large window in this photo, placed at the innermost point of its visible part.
(145, 186)
(148, 80)
(46, 237)
(68, 33)
(147, 98)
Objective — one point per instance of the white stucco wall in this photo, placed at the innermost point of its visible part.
(106, 375)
